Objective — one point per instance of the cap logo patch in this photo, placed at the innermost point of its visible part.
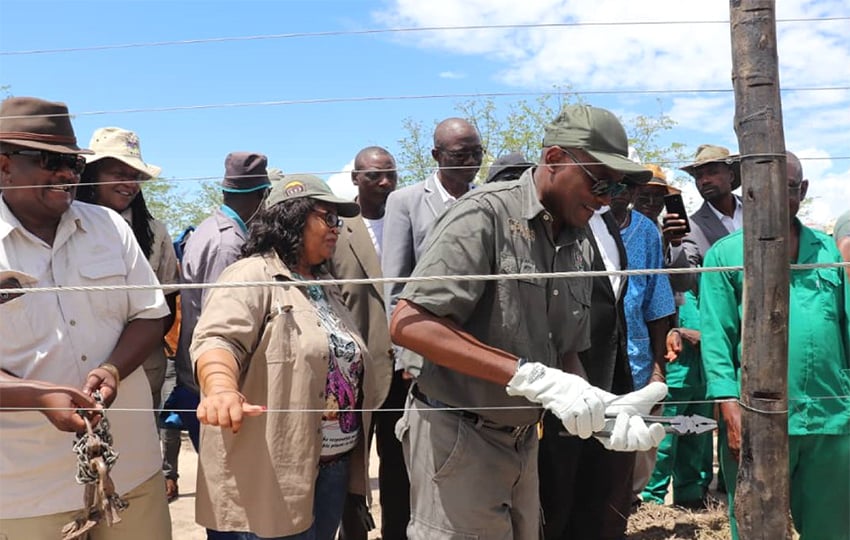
(293, 188)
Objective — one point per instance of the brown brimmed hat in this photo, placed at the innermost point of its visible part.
(245, 172)
(709, 153)
(599, 133)
(123, 145)
(659, 178)
(34, 123)
(297, 186)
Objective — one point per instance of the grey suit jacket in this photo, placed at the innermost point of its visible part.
(355, 258)
(706, 229)
(409, 215)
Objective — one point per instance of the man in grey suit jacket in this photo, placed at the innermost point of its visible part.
(412, 210)
(716, 173)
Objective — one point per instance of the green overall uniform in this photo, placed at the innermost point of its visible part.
(688, 459)
(818, 377)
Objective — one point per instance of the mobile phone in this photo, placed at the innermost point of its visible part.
(674, 204)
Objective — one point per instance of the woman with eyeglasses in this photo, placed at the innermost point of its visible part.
(283, 376)
(112, 178)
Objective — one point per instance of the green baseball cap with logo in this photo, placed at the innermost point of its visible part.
(599, 133)
(297, 186)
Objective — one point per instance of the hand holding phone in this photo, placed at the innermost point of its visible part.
(675, 228)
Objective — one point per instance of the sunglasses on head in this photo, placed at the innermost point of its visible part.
(331, 219)
(600, 186)
(54, 161)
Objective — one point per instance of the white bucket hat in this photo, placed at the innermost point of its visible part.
(123, 145)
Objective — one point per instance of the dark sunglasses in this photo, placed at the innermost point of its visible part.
(53, 161)
(600, 186)
(331, 219)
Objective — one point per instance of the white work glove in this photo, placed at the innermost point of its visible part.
(630, 433)
(571, 398)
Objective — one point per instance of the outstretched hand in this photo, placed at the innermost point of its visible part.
(60, 403)
(227, 408)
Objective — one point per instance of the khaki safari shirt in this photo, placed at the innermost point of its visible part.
(262, 480)
(503, 229)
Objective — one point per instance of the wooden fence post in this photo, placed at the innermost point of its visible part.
(762, 498)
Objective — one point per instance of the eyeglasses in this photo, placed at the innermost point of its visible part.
(331, 219)
(601, 186)
(53, 161)
(459, 156)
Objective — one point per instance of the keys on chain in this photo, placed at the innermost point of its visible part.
(95, 458)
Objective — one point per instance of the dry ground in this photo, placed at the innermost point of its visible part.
(650, 522)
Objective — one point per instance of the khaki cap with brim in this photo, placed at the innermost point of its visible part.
(30, 122)
(599, 133)
(122, 145)
(297, 186)
(709, 153)
(659, 178)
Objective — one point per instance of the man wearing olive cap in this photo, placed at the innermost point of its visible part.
(497, 351)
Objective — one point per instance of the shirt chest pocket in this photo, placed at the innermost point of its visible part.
(105, 272)
(819, 291)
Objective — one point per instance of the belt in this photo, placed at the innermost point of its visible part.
(516, 432)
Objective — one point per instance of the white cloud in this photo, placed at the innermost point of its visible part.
(696, 56)
(452, 75)
(340, 183)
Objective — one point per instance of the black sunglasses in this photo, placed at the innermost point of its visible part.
(53, 161)
(600, 186)
(331, 219)
(463, 155)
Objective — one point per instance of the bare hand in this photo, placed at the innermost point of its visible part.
(102, 379)
(673, 229)
(731, 413)
(60, 403)
(226, 408)
(674, 345)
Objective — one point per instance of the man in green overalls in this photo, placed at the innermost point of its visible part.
(818, 370)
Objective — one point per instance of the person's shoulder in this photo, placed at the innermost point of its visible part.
(247, 269)
(99, 219)
(407, 192)
(730, 246)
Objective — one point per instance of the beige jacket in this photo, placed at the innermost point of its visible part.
(263, 478)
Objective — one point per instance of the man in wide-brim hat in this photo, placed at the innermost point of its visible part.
(58, 348)
(716, 172)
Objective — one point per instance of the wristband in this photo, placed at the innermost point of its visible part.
(112, 370)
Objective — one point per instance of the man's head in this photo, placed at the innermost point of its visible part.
(246, 182)
(584, 162)
(376, 177)
(716, 172)
(38, 148)
(649, 198)
(457, 150)
(797, 185)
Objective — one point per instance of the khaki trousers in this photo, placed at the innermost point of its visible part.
(146, 518)
(468, 481)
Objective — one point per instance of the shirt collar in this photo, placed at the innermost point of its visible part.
(720, 215)
(231, 213)
(9, 221)
(531, 205)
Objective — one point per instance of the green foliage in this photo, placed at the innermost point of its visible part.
(177, 206)
(518, 126)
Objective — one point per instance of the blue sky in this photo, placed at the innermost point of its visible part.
(324, 137)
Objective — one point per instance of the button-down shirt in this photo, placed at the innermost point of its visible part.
(59, 338)
(818, 333)
(733, 223)
(503, 229)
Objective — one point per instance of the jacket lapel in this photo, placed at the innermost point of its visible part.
(432, 196)
(360, 244)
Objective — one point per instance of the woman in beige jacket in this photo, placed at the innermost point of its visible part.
(283, 374)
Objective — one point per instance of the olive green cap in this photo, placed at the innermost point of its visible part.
(599, 133)
(296, 186)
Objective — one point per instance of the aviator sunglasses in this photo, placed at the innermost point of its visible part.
(600, 186)
(54, 161)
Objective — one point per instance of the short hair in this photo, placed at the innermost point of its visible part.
(358, 160)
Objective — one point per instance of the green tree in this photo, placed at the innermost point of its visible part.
(518, 126)
(178, 206)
